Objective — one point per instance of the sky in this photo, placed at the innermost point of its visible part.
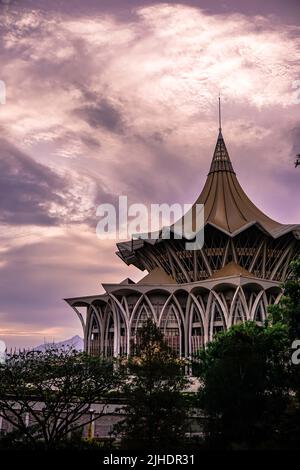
(119, 97)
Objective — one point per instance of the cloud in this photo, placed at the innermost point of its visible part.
(121, 98)
(28, 189)
(295, 135)
(39, 274)
(102, 114)
(34, 194)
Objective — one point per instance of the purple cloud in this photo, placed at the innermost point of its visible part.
(119, 97)
(27, 189)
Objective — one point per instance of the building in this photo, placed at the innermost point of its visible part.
(192, 295)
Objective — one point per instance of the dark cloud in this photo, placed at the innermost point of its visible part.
(124, 9)
(27, 188)
(102, 114)
(90, 141)
(33, 194)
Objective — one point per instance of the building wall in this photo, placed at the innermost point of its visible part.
(252, 249)
(188, 319)
(103, 423)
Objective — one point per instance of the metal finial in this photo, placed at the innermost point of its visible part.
(220, 123)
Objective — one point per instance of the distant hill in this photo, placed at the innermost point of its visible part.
(76, 342)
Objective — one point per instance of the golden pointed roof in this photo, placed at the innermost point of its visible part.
(226, 205)
(157, 276)
(231, 269)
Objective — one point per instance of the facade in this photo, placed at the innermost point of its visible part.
(104, 417)
(192, 295)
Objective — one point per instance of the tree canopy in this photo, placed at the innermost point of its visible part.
(154, 382)
(250, 387)
(56, 389)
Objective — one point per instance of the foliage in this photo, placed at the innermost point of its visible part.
(250, 388)
(288, 309)
(56, 388)
(154, 382)
(245, 388)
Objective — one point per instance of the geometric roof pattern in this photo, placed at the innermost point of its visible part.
(226, 205)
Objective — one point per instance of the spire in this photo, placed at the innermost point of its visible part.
(221, 160)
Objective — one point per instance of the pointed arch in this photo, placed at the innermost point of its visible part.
(216, 316)
(94, 330)
(260, 312)
(142, 311)
(255, 306)
(122, 325)
(224, 310)
(171, 327)
(196, 332)
(239, 308)
(94, 336)
(109, 335)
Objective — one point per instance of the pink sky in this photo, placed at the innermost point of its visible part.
(109, 98)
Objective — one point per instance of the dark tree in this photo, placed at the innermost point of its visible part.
(288, 309)
(244, 392)
(287, 312)
(154, 382)
(56, 389)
